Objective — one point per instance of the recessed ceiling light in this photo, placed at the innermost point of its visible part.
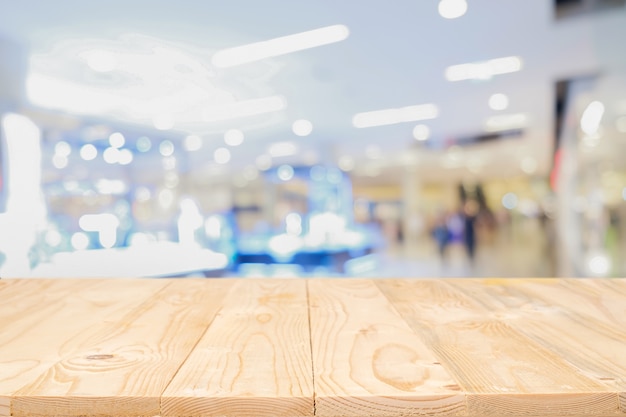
(192, 143)
(117, 140)
(62, 148)
(452, 9)
(166, 148)
(302, 127)
(233, 137)
(221, 155)
(498, 101)
(125, 157)
(421, 132)
(88, 152)
(111, 155)
(59, 161)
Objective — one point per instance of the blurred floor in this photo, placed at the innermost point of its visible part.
(518, 250)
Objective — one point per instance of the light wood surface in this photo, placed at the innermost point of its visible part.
(255, 360)
(304, 347)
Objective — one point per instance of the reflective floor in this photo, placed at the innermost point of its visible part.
(517, 251)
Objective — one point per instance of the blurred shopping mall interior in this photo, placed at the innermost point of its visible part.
(440, 138)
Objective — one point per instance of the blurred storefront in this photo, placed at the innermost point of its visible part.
(86, 190)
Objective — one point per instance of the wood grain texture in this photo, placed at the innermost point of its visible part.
(502, 371)
(121, 363)
(39, 318)
(254, 360)
(367, 361)
(339, 347)
(580, 320)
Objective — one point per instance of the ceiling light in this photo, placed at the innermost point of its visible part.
(221, 155)
(233, 137)
(144, 144)
(506, 122)
(451, 9)
(244, 108)
(117, 140)
(498, 101)
(166, 148)
(285, 172)
(483, 70)
(279, 46)
(59, 161)
(111, 155)
(279, 149)
(62, 148)
(590, 120)
(393, 116)
(125, 157)
(88, 152)
(192, 143)
(302, 127)
(421, 132)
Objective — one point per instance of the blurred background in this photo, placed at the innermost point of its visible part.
(313, 138)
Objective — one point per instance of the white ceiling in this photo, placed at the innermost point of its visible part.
(395, 56)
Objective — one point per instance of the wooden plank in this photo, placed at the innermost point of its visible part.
(368, 362)
(253, 361)
(502, 371)
(120, 362)
(32, 311)
(576, 319)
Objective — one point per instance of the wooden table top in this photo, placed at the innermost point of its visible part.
(305, 347)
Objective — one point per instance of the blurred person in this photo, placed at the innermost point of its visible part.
(470, 212)
(441, 234)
